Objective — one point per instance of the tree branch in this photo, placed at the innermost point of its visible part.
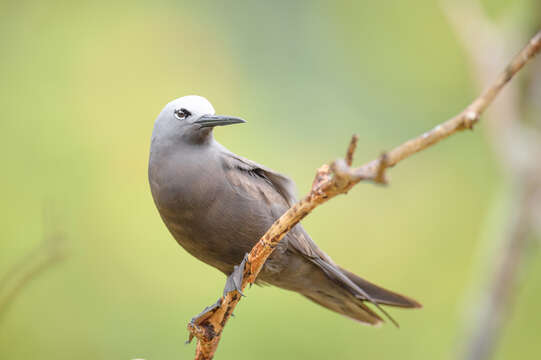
(338, 178)
(519, 148)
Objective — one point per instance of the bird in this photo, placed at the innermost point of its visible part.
(217, 205)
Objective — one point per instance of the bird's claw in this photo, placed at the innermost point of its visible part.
(203, 315)
(234, 280)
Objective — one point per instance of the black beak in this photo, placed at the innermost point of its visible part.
(217, 120)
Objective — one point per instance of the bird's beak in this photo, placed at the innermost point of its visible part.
(217, 120)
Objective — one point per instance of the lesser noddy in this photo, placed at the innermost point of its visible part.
(217, 205)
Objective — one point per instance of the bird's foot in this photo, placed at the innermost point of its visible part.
(234, 280)
(234, 283)
(205, 314)
(198, 320)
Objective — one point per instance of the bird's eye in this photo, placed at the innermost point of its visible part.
(182, 113)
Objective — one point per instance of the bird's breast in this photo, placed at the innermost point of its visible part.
(191, 200)
(214, 218)
(182, 184)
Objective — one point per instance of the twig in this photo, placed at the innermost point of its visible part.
(47, 253)
(338, 178)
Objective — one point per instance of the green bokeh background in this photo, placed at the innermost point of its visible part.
(81, 85)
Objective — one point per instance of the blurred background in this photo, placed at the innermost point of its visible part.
(82, 83)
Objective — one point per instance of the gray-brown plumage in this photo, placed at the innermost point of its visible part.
(217, 205)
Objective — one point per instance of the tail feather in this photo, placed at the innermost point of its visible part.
(351, 308)
(346, 294)
(381, 295)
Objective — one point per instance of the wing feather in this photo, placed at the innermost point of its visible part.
(254, 180)
(257, 181)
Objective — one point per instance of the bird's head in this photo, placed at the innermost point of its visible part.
(190, 119)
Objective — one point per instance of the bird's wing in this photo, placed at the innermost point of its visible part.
(255, 180)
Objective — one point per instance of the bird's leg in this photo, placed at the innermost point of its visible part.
(234, 280)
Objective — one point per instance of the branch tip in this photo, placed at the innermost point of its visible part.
(351, 149)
